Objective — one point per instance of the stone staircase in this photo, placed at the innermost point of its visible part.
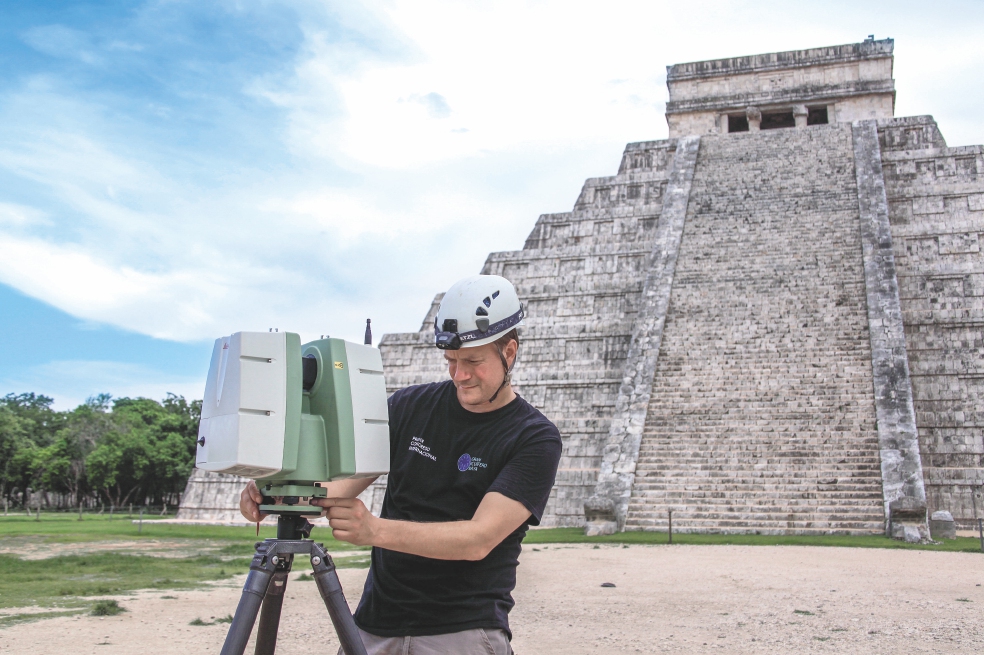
(761, 417)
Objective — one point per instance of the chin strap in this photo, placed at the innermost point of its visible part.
(506, 368)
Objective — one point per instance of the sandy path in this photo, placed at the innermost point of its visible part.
(687, 599)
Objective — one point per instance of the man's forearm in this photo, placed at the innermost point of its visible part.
(452, 540)
(347, 488)
(495, 518)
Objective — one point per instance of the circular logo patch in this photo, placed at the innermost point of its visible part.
(464, 462)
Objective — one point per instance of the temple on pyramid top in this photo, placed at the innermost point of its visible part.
(838, 84)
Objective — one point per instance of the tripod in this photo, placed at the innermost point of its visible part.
(267, 582)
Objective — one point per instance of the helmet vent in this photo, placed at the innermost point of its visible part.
(487, 301)
(495, 295)
(481, 311)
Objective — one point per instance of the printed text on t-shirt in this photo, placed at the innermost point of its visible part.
(417, 446)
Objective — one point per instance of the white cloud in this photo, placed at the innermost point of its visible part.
(399, 161)
(14, 215)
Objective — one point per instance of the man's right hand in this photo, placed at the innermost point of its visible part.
(249, 503)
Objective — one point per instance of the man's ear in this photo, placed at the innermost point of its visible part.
(509, 352)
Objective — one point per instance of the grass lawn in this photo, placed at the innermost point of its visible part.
(65, 564)
(576, 536)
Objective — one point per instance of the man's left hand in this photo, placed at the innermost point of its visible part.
(349, 519)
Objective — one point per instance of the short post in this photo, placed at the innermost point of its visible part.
(670, 513)
(975, 497)
(140, 525)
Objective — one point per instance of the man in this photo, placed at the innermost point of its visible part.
(471, 467)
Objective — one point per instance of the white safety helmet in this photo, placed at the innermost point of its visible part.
(475, 311)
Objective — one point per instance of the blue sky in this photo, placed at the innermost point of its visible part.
(175, 171)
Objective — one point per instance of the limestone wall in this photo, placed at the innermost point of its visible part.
(695, 122)
(936, 209)
(212, 497)
(854, 81)
(848, 110)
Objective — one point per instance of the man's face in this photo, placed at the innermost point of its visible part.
(477, 372)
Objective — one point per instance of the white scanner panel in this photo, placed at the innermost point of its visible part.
(244, 409)
(369, 410)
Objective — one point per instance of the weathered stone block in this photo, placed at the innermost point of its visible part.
(942, 526)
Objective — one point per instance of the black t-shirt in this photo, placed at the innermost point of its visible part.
(443, 461)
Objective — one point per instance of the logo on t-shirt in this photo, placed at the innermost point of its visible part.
(468, 463)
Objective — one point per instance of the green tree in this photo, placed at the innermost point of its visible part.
(28, 425)
(120, 463)
(121, 449)
(64, 466)
(23, 469)
(167, 431)
(13, 438)
(40, 421)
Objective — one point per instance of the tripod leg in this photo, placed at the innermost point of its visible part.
(331, 591)
(261, 572)
(273, 602)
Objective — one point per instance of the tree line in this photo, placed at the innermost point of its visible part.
(106, 451)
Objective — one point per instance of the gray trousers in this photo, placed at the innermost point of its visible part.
(466, 642)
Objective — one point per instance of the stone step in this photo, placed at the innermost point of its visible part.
(757, 452)
(723, 443)
(686, 459)
(792, 480)
(743, 498)
(826, 517)
(685, 512)
(815, 467)
(758, 419)
(690, 485)
(741, 501)
(711, 526)
(795, 475)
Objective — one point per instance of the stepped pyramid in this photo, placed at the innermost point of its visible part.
(772, 321)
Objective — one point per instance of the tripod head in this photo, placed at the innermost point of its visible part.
(293, 527)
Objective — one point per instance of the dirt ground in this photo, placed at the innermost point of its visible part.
(682, 599)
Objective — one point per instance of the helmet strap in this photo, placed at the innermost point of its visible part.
(507, 370)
